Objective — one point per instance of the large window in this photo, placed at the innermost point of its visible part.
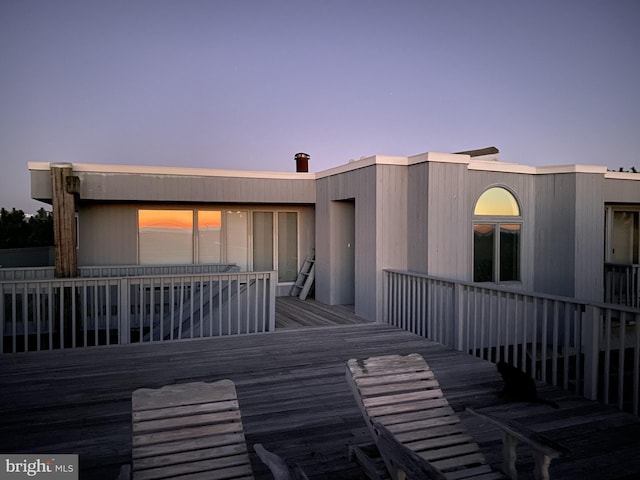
(258, 240)
(497, 228)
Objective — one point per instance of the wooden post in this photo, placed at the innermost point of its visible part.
(63, 185)
(591, 346)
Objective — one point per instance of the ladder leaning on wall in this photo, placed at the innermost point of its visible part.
(306, 276)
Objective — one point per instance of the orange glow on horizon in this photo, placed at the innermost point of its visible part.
(178, 219)
(209, 219)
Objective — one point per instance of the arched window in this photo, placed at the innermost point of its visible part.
(497, 227)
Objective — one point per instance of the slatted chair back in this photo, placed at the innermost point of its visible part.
(401, 394)
(192, 430)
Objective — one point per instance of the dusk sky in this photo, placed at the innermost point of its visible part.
(247, 84)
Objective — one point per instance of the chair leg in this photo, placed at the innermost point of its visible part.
(509, 454)
(543, 462)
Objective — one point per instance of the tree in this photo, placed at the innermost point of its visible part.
(20, 231)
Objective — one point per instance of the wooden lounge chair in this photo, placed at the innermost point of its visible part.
(192, 430)
(416, 432)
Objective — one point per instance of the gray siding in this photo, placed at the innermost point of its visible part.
(555, 234)
(621, 191)
(108, 233)
(359, 186)
(41, 185)
(379, 196)
(417, 217)
(138, 187)
(449, 221)
(589, 244)
(391, 224)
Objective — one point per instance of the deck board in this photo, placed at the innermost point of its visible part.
(293, 397)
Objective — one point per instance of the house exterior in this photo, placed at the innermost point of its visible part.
(465, 216)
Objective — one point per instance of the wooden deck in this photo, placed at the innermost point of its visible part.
(293, 397)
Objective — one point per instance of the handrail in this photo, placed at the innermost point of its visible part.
(80, 312)
(592, 348)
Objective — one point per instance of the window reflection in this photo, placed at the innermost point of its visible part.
(497, 201)
(483, 253)
(209, 237)
(220, 236)
(165, 236)
(509, 252)
(496, 241)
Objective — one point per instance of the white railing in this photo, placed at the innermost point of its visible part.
(47, 273)
(592, 349)
(70, 313)
(622, 284)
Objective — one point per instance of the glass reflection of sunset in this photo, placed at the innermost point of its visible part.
(178, 219)
(497, 201)
(209, 219)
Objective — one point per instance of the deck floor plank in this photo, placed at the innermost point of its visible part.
(292, 394)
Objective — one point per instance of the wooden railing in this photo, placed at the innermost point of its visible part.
(82, 312)
(622, 284)
(592, 349)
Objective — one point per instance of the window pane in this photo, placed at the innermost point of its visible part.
(287, 246)
(237, 239)
(497, 202)
(509, 252)
(209, 236)
(624, 244)
(262, 241)
(165, 236)
(483, 256)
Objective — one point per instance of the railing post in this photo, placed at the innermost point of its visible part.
(272, 301)
(384, 318)
(124, 312)
(591, 346)
(458, 317)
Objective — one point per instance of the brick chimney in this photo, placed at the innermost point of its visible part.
(302, 162)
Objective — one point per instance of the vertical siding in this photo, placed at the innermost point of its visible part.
(323, 239)
(589, 246)
(417, 217)
(184, 188)
(358, 185)
(41, 185)
(621, 191)
(555, 235)
(391, 224)
(449, 221)
(108, 235)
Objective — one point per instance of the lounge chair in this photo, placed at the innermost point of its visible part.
(190, 429)
(417, 433)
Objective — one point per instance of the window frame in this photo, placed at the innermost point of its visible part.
(223, 209)
(610, 210)
(496, 221)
